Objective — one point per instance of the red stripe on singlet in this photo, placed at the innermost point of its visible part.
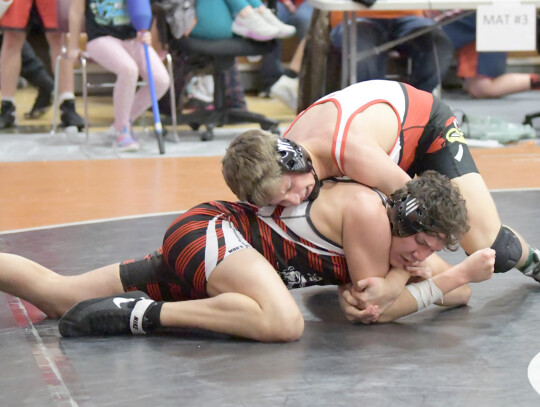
(188, 252)
(154, 291)
(340, 268)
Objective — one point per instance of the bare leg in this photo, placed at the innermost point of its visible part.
(10, 60)
(484, 87)
(66, 83)
(51, 292)
(248, 299)
(296, 61)
(483, 217)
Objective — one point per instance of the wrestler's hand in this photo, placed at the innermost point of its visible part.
(478, 266)
(374, 291)
(421, 270)
(349, 307)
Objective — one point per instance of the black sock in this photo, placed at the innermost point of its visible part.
(153, 317)
(290, 73)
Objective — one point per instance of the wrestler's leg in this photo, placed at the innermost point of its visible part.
(248, 299)
(51, 292)
(483, 217)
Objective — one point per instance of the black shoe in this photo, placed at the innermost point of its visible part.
(69, 116)
(7, 114)
(533, 270)
(41, 105)
(122, 314)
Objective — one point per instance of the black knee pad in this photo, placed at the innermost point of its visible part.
(507, 250)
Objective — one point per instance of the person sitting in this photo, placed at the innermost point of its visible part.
(18, 17)
(430, 54)
(484, 73)
(275, 80)
(245, 18)
(115, 44)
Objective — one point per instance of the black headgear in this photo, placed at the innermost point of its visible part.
(407, 216)
(293, 158)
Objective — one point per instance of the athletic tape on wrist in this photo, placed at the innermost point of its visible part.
(425, 293)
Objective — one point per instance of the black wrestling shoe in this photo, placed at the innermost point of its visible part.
(7, 115)
(122, 314)
(69, 116)
(42, 103)
(533, 270)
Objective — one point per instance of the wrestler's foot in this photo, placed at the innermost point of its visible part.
(69, 116)
(7, 114)
(533, 270)
(122, 314)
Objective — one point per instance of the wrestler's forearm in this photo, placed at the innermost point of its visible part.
(447, 282)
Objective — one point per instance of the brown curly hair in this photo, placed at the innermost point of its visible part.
(445, 211)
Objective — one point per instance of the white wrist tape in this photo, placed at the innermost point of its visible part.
(425, 293)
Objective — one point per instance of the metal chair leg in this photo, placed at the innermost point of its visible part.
(55, 95)
(172, 92)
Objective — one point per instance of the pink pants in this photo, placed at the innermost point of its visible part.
(126, 59)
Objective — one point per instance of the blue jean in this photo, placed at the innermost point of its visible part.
(426, 51)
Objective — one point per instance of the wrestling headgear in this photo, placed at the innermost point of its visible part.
(407, 216)
(293, 158)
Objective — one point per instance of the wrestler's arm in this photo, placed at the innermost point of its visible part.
(371, 136)
(475, 268)
(374, 291)
(366, 243)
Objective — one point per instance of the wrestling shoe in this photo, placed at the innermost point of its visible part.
(69, 116)
(285, 30)
(7, 114)
(42, 103)
(254, 26)
(533, 270)
(122, 314)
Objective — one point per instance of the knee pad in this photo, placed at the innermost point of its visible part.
(507, 250)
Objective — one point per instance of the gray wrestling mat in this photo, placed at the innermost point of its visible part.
(477, 355)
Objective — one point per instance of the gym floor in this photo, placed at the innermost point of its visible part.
(74, 213)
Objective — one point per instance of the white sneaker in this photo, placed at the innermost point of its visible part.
(286, 90)
(285, 30)
(255, 27)
(201, 87)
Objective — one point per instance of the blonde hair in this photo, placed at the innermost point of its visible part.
(251, 166)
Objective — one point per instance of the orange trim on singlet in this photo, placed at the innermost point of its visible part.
(468, 61)
(418, 113)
